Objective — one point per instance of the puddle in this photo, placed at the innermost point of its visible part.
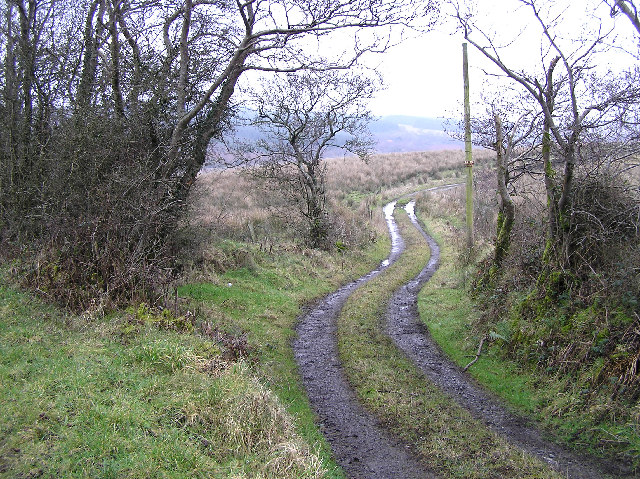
(396, 240)
(410, 208)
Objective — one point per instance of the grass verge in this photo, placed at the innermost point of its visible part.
(445, 435)
(125, 396)
(448, 311)
(84, 398)
(263, 303)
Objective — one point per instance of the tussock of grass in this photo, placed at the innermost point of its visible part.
(84, 401)
(264, 303)
(443, 433)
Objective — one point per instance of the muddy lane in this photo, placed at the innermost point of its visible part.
(362, 447)
(412, 337)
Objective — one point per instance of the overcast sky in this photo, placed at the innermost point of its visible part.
(424, 75)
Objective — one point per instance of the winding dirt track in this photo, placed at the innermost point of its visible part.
(361, 445)
(412, 337)
(363, 448)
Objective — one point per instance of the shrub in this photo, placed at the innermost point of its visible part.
(605, 220)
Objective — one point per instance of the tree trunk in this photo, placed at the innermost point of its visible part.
(209, 128)
(550, 175)
(89, 65)
(115, 59)
(27, 69)
(506, 214)
(549, 183)
(10, 101)
(565, 203)
(316, 209)
(630, 12)
(134, 95)
(559, 248)
(311, 178)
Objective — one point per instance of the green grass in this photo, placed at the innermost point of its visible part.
(124, 397)
(264, 302)
(447, 437)
(83, 398)
(553, 401)
(448, 312)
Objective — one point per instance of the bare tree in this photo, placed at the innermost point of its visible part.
(304, 116)
(508, 123)
(267, 36)
(111, 104)
(628, 8)
(572, 101)
(515, 155)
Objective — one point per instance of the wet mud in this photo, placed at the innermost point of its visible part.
(361, 445)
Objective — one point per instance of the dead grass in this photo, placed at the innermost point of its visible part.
(383, 172)
(227, 204)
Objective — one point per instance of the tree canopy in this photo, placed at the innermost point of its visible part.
(110, 106)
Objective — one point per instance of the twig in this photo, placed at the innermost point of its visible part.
(478, 353)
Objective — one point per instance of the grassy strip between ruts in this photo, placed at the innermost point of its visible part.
(448, 311)
(447, 437)
(121, 397)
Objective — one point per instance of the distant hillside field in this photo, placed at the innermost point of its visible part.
(396, 134)
(391, 134)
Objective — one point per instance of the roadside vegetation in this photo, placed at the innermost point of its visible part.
(556, 365)
(559, 295)
(109, 111)
(134, 395)
(202, 382)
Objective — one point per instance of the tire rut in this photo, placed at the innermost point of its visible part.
(361, 445)
(412, 337)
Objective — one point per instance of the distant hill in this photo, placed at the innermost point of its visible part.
(392, 134)
(399, 133)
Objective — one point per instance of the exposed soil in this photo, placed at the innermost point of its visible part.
(361, 445)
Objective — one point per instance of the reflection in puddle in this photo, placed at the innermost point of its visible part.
(410, 208)
(396, 241)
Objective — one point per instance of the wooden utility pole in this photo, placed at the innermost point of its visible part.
(468, 160)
